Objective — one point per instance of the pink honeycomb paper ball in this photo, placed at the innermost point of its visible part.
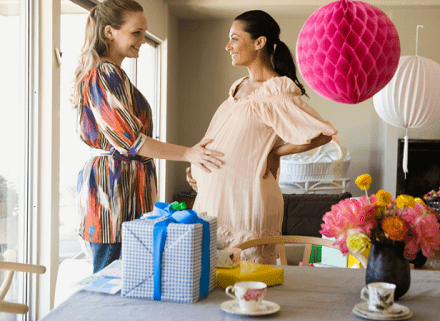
(347, 51)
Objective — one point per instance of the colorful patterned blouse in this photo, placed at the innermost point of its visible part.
(114, 119)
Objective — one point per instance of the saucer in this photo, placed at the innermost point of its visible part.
(399, 312)
(265, 308)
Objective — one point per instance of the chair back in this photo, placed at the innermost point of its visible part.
(10, 268)
(281, 240)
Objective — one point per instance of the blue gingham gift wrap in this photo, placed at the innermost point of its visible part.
(181, 261)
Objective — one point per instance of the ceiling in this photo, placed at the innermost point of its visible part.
(12, 7)
(220, 9)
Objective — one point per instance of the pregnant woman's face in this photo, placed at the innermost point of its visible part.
(240, 46)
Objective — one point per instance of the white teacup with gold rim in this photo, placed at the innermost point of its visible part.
(379, 295)
(248, 294)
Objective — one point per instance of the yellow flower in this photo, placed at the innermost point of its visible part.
(357, 242)
(419, 200)
(363, 181)
(405, 200)
(395, 228)
(383, 198)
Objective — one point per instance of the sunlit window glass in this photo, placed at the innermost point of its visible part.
(13, 89)
(73, 152)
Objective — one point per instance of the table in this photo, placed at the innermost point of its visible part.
(308, 293)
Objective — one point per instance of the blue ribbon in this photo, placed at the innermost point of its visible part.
(160, 234)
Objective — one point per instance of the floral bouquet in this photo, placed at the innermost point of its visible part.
(355, 223)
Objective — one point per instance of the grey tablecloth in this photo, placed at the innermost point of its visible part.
(308, 293)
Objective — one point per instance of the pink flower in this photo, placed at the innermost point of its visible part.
(424, 233)
(350, 216)
(253, 294)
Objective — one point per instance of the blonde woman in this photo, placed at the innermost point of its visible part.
(118, 182)
(263, 119)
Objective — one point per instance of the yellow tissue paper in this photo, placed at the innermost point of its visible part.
(249, 271)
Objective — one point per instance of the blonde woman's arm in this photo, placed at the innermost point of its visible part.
(197, 155)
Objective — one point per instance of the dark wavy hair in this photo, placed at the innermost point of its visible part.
(259, 23)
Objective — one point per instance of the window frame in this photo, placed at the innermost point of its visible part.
(26, 282)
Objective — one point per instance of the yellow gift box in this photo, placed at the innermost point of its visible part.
(249, 271)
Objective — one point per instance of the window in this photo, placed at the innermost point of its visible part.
(143, 73)
(148, 79)
(14, 139)
(73, 152)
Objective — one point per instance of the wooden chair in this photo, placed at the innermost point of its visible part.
(10, 268)
(282, 240)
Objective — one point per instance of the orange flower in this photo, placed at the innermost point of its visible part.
(395, 228)
(383, 198)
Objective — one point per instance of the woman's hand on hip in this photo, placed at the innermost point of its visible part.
(273, 164)
(191, 181)
(203, 157)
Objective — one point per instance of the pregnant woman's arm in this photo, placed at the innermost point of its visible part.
(273, 159)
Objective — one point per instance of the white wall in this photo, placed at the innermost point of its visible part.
(172, 120)
(205, 75)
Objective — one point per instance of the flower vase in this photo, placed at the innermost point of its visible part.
(386, 263)
(419, 261)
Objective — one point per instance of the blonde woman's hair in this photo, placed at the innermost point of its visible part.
(108, 12)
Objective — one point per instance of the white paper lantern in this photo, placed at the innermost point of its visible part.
(412, 98)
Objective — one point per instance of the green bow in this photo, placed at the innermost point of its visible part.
(178, 206)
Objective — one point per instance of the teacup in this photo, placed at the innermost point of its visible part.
(380, 296)
(248, 294)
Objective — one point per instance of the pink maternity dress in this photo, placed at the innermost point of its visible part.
(246, 130)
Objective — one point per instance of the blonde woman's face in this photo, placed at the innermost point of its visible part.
(127, 41)
(240, 46)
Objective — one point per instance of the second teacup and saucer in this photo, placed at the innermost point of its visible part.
(379, 303)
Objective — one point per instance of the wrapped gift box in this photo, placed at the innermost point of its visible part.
(228, 258)
(180, 265)
(249, 271)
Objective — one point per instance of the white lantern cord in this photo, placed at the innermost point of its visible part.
(405, 145)
(405, 154)
(417, 36)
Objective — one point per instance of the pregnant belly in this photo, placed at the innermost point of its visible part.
(205, 179)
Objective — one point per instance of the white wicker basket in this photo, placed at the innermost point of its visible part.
(329, 161)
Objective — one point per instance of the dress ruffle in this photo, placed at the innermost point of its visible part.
(274, 86)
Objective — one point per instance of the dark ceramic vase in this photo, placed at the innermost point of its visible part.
(386, 263)
(420, 260)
